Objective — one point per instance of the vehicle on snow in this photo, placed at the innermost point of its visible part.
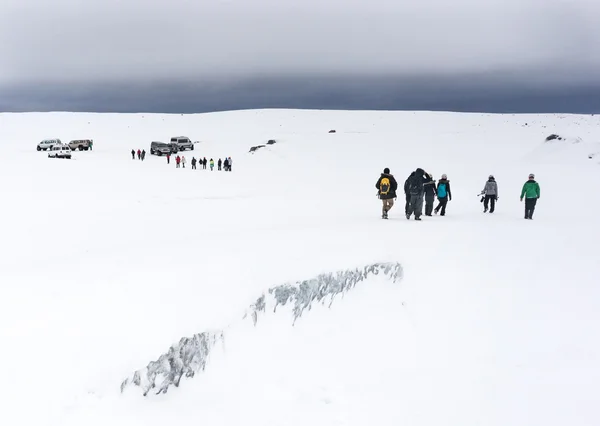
(60, 151)
(47, 144)
(183, 143)
(161, 148)
(80, 144)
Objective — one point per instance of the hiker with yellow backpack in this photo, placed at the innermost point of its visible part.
(386, 191)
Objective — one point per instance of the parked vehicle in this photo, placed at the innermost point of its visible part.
(46, 144)
(161, 148)
(60, 151)
(183, 143)
(80, 144)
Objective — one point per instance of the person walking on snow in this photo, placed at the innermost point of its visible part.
(177, 161)
(143, 154)
(430, 191)
(226, 164)
(407, 193)
(193, 163)
(168, 158)
(219, 163)
(204, 163)
(139, 153)
(444, 195)
(230, 163)
(212, 164)
(183, 161)
(531, 192)
(133, 154)
(416, 190)
(490, 193)
(386, 191)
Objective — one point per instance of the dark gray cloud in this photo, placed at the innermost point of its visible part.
(478, 93)
(184, 55)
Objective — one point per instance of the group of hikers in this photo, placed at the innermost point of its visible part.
(180, 162)
(141, 154)
(421, 185)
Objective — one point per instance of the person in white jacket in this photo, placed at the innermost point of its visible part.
(490, 193)
(183, 161)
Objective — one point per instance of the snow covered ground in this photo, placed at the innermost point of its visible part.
(106, 262)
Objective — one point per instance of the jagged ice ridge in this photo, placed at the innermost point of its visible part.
(190, 354)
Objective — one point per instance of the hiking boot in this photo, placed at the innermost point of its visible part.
(407, 216)
(417, 218)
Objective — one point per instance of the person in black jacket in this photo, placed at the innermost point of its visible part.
(430, 193)
(416, 190)
(386, 191)
(407, 192)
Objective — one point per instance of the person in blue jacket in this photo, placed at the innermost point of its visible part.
(444, 195)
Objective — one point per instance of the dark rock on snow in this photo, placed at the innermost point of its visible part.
(553, 137)
(255, 148)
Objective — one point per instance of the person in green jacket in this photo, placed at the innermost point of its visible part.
(531, 192)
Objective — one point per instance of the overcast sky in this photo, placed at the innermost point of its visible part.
(85, 44)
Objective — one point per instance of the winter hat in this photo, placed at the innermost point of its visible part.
(444, 176)
(491, 177)
(531, 176)
(386, 170)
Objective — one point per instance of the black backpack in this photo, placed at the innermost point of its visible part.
(415, 185)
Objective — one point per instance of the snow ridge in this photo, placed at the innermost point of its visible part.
(190, 354)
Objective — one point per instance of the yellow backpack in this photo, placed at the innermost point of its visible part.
(384, 186)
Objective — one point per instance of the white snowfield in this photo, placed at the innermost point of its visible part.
(106, 262)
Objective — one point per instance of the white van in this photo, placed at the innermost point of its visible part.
(46, 144)
(60, 151)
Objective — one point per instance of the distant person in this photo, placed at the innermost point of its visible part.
(430, 192)
(183, 161)
(226, 164)
(219, 163)
(193, 163)
(168, 158)
(212, 164)
(386, 191)
(143, 154)
(91, 145)
(444, 195)
(490, 194)
(204, 163)
(407, 193)
(133, 154)
(230, 163)
(416, 190)
(531, 192)
(177, 161)
(139, 153)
